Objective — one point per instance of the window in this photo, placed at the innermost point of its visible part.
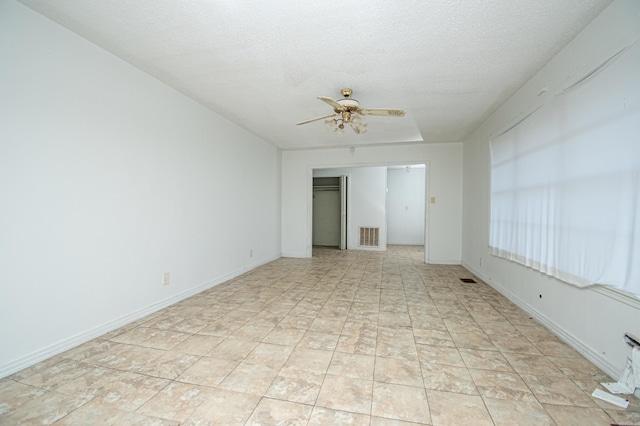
(565, 181)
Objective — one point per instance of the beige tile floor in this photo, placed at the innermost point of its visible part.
(359, 338)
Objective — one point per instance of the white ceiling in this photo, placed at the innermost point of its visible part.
(261, 63)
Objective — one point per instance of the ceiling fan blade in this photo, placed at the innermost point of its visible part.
(331, 102)
(315, 119)
(390, 112)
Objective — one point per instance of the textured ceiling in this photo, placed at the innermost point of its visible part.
(261, 63)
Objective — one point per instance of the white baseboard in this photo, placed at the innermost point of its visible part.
(584, 350)
(73, 341)
(366, 248)
(443, 262)
(389, 243)
(296, 255)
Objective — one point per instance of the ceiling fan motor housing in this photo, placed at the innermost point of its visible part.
(348, 104)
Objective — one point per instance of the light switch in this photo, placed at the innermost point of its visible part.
(433, 200)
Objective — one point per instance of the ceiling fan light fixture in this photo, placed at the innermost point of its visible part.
(347, 110)
(359, 128)
(330, 123)
(357, 124)
(354, 120)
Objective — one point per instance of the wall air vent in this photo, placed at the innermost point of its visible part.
(369, 237)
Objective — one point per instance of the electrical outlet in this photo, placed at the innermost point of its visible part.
(250, 252)
(481, 261)
(165, 278)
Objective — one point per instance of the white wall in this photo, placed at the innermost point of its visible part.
(592, 320)
(366, 205)
(405, 205)
(444, 165)
(108, 178)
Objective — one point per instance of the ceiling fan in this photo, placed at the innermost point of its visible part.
(348, 110)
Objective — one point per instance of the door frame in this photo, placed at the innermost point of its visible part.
(344, 233)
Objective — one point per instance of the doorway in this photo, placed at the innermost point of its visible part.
(406, 204)
(329, 219)
(369, 205)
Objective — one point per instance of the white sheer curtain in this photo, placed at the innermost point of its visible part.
(565, 182)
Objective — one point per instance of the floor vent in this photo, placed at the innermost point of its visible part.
(369, 237)
(467, 280)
